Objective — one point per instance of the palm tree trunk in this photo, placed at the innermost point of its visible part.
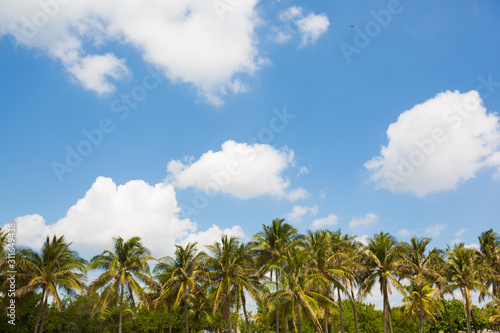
(44, 310)
(384, 309)
(473, 320)
(277, 308)
(447, 315)
(229, 313)
(186, 321)
(299, 323)
(286, 323)
(389, 315)
(340, 312)
(467, 310)
(121, 309)
(326, 322)
(243, 302)
(39, 312)
(354, 311)
(421, 309)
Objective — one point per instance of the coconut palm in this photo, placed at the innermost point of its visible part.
(163, 273)
(418, 266)
(299, 287)
(56, 267)
(327, 261)
(229, 272)
(383, 258)
(180, 274)
(344, 264)
(124, 268)
(270, 245)
(442, 280)
(490, 252)
(465, 269)
(493, 310)
(422, 300)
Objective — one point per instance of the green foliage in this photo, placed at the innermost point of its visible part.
(370, 319)
(456, 311)
(26, 307)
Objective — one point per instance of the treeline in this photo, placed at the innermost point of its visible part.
(303, 283)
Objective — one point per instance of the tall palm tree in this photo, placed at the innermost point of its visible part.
(490, 252)
(345, 265)
(466, 270)
(325, 261)
(54, 268)
(180, 274)
(124, 268)
(271, 244)
(418, 266)
(229, 273)
(383, 258)
(299, 287)
(442, 280)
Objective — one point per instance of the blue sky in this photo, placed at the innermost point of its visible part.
(208, 82)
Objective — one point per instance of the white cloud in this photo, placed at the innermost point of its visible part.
(92, 71)
(108, 210)
(191, 41)
(474, 246)
(240, 169)
(458, 234)
(367, 220)
(298, 193)
(291, 13)
(330, 220)
(404, 232)
(435, 229)
(437, 144)
(212, 235)
(303, 171)
(298, 212)
(309, 27)
(312, 27)
(363, 239)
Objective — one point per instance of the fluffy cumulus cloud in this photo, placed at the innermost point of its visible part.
(132, 209)
(365, 221)
(212, 235)
(328, 221)
(310, 27)
(437, 145)
(240, 169)
(298, 212)
(193, 41)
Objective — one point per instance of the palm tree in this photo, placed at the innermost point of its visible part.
(465, 271)
(228, 270)
(299, 286)
(421, 300)
(124, 268)
(180, 275)
(325, 261)
(54, 268)
(490, 252)
(111, 316)
(493, 310)
(163, 273)
(383, 257)
(271, 244)
(418, 266)
(441, 280)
